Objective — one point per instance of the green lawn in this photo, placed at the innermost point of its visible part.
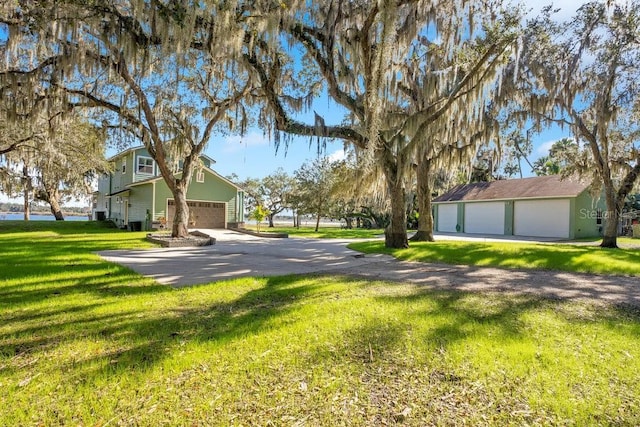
(564, 257)
(323, 232)
(84, 342)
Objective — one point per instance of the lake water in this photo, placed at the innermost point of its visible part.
(20, 216)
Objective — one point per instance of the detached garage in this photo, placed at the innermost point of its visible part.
(544, 206)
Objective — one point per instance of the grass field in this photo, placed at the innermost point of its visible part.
(323, 232)
(575, 258)
(85, 342)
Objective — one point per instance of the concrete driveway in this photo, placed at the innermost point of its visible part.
(239, 255)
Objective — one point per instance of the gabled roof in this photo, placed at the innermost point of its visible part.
(539, 187)
(142, 147)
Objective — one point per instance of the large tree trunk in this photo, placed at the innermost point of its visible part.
(181, 218)
(395, 235)
(615, 202)
(270, 217)
(317, 222)
(51, 195)
(425, 220)
(348, 222)
(26, 185)
(611, 217)
(55, 208)
(27, 208)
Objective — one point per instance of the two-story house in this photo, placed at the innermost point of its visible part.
(134, 195)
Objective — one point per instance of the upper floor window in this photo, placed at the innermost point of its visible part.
(200, 176)
(145, 165)
(124, 166)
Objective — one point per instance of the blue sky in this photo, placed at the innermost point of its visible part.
(254, 155)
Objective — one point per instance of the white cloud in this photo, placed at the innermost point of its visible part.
(236, 142)
(567, 8)
(543, 149)
(337, 155)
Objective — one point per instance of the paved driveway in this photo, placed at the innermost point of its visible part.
(238, 255)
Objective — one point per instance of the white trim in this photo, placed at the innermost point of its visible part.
(124, 166)
(142, 147)
(153, 165)
(200, 176)
(507, 199)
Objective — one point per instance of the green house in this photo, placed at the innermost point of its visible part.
(545, 206)
(134, 195)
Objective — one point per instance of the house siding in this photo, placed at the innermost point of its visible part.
(584, 218)
(118, 211)
(508, 217)
(140, 202)
(212, 189)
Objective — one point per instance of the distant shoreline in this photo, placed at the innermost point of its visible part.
(46, 213)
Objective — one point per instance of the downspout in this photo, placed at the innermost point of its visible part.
(153, 201)
(110, 191)
(238, 195)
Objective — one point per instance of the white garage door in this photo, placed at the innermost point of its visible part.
(541, 218)
(447, 217)
(484, 218)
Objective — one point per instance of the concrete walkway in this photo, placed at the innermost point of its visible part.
(241, 255)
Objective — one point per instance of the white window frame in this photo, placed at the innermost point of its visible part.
(200, 176)
(138, 165)
(124, 166)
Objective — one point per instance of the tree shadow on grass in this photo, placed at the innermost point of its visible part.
(454, 319)
(403, 355)
(514, 255)
(141, 337)
(100, 279)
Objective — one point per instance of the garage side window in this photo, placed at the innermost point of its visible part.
(145, 165)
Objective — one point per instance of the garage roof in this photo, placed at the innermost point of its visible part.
(539, 187)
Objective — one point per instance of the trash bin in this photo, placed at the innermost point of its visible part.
(101, 215)
(135, 225)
